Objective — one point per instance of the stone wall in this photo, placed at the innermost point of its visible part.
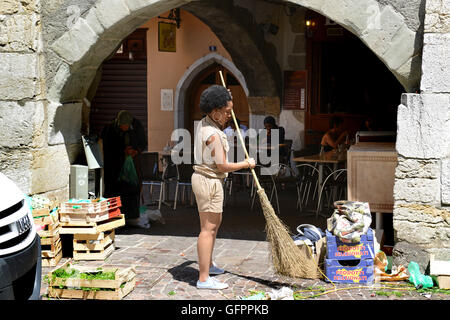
(421, 192)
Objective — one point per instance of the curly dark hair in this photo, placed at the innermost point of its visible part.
(214, 97)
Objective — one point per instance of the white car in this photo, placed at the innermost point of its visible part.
(20, 246)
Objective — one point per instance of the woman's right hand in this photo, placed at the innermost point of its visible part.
(251, 162)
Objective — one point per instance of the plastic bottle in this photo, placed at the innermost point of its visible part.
(417, 278)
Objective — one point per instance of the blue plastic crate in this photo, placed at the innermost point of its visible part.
(362, 273)
(336, 249)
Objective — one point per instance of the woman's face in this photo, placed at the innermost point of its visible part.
(222, 115)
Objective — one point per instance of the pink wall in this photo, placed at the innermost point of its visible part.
(166, 68)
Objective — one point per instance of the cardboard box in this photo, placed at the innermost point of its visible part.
(315, 261)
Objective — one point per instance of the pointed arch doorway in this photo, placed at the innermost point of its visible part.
(203, 80)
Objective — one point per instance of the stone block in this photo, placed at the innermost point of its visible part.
(445, 180)
(9, 6)
(437, 18)
(414, 168)
(424, 234)
(417, 213)
(110, 12)
(16, 165)
(436, 63)
(401, 49)
(384, 26)
(50, 169)
(418, 190)
(423, 126)
(16, 121)
(19, 76)
(18, 33)
(405, 252)
(64, 123)
(73, 45)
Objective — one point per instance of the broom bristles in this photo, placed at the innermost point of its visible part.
(286, 256)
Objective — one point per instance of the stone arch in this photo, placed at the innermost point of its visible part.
(382, 29)
(191, 73)
(101, 29)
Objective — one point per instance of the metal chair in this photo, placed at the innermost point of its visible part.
(150, 175)
(337, 183)
(307, 182)
(184, 174)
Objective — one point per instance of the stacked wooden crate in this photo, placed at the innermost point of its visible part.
(92, 225)
(77, 282)
(48, 227)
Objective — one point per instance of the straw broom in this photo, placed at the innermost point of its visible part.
(286, 256)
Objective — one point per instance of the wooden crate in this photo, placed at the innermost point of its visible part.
(42, 212)
(80, 227)
(90, 212)
(93, 247)
(52, 261)
(73, 288)
(51, 226)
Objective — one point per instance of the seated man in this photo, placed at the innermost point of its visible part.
(334, 136)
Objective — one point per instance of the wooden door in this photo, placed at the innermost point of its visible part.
(208, 77)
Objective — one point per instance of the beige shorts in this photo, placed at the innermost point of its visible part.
(208, 193)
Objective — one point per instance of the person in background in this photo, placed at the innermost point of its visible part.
(335, 135)
(124, 136)
(210, 169)
(230, 131)
(269, 124)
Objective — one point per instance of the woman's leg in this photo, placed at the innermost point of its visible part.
(209, 225)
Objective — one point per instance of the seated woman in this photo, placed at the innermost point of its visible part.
(334, 136)
(269, 124)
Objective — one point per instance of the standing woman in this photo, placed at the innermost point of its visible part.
(210, 170)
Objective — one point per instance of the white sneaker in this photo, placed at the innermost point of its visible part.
(211, 283)
(215, 270)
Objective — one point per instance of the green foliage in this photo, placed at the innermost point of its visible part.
(71, 273)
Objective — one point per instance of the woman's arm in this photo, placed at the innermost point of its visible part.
(219, 156)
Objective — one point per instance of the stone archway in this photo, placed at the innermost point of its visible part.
(95, 35)
(191, 73)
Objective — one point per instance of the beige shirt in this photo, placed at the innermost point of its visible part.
(204, 161)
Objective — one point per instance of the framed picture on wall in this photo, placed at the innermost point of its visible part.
(295, 90)
(167, 33)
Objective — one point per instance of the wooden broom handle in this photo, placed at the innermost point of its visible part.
(240, 137)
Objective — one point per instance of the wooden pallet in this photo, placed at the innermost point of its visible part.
(93, 247)
(50, 230)
(83, 217)
(78, 227)
(71, 288)
(50, 251)
(40, 212)
(52, 261)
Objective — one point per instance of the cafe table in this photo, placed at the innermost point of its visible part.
(331, 158)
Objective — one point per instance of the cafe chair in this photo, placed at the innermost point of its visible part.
(150, 175)
(307, 183)
(334, 187)
(184, 175)
(286, 158)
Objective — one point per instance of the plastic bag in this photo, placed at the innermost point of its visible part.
(350, 220)
(128, 172)
(417, 278)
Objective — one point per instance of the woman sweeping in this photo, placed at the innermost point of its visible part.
(210, 170)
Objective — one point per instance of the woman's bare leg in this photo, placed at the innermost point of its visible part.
(209, 225)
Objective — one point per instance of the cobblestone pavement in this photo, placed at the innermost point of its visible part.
(165, 258)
